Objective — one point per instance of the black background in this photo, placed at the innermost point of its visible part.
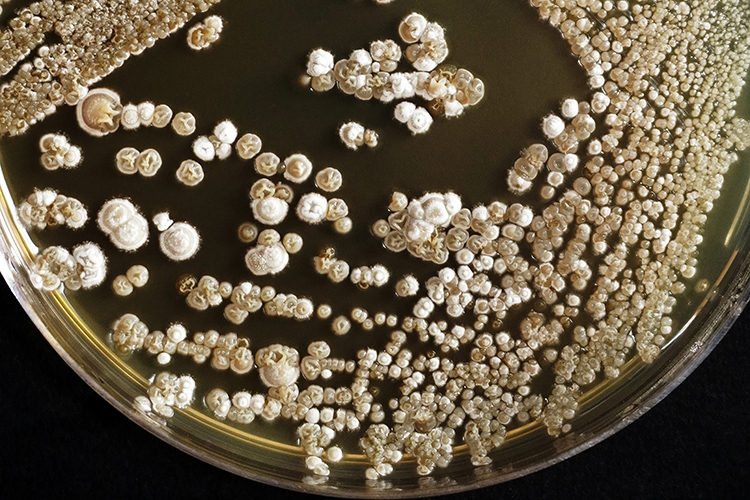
(57, 435)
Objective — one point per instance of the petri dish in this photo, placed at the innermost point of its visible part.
(470, 155)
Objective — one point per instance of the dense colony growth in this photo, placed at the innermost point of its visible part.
(526, 308)
(166, 392)
(62, 72)
(56, 268)
(47, 208)
(371, 74)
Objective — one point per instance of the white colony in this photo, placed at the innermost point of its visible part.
(126, 227)
(180, 241)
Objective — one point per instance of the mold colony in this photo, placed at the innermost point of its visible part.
(570, 292)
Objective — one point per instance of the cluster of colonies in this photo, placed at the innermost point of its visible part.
(608, 309)
(572, 290)
(58, 152)
(369, 74)
(204, 34)
(89, 48)
(47, 208)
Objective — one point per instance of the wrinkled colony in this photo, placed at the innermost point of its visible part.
(526, 307)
